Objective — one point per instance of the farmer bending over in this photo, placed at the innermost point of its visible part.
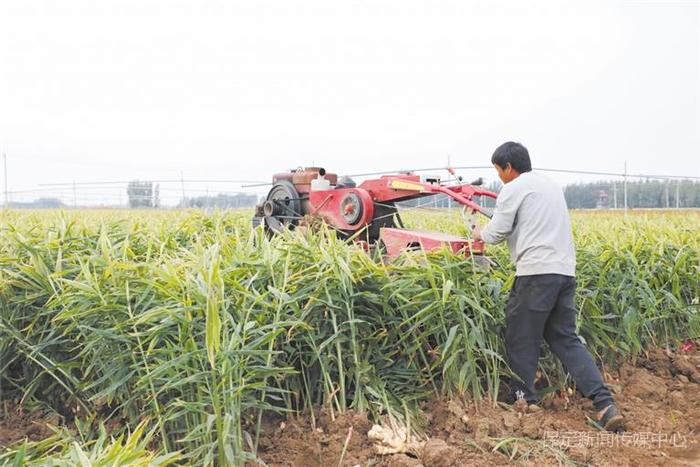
(531, 214)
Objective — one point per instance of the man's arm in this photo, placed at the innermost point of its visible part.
(501, 224)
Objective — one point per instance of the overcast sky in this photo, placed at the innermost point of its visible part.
(114, 90)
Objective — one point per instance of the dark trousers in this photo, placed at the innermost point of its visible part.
(543, 306)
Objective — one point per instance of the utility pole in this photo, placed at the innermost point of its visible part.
(4, 161)
(182, 185)
(449, 198)
(156, 196)
(625, 188)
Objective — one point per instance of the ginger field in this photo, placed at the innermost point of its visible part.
(184, 338)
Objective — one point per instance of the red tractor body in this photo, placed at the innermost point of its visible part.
(366, 212)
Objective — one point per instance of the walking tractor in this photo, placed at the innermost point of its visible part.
(367, 212)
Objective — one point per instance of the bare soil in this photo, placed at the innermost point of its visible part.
(16, 425)
(659, 395)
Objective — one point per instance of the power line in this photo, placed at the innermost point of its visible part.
(179, 180)
(407, 171)
(483, 167)
(254, 183)
(102, 187)
(613, 174)
(542, 169)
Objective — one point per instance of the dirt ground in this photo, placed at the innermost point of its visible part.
(16, 425)
(659, 396)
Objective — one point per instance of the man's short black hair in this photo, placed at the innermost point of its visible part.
(514, 153)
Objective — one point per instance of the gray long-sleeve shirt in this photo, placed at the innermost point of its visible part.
(531, 214)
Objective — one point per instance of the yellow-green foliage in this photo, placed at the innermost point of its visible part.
(200, 326)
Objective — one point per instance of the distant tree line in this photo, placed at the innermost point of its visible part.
(39, 203)
(640, 194)
(239, 200)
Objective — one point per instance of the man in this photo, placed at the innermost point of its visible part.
(531, 214)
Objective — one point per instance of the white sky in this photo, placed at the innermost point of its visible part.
(115, 90)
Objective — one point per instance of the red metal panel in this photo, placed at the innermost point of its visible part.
(327, 204)
(405, 187)
(381, 191)
(397, 240)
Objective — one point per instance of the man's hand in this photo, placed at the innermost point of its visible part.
(476, 233)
